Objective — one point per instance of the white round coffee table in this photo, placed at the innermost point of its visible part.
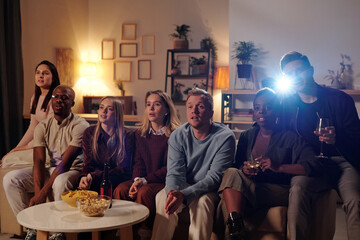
(59, 217)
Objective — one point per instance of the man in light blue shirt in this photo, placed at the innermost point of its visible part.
(199, 152)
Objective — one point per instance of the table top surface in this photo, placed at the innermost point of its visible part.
(59, 217)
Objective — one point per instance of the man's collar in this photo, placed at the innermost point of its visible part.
(66, 120)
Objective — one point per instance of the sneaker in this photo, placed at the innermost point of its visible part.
(236, 226)
(30, 234)
(57, 236)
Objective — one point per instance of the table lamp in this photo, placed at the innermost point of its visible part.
(221, 78)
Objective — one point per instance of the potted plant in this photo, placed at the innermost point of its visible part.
(198, 65)
(180, 36)
(175, 69)
(208, 43)
(245, 53)
(343, 78)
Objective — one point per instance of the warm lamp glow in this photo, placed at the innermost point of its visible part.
(221, 78)
(88, 69)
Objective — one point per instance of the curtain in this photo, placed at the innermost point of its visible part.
(11, 76)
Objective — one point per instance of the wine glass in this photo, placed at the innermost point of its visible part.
(320, 130)
(254, 164)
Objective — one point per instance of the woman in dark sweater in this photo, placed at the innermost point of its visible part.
(106, 142)
(149, 170)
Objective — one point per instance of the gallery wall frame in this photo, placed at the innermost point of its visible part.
(128, 50)
(144, 69)
(184, 64)
(128, 32)
(107, 49)
(148, 45)
(122, 71)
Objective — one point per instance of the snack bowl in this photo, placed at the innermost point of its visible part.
(93, 206)
(71, 196)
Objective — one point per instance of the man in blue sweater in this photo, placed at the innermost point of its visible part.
(199, 152)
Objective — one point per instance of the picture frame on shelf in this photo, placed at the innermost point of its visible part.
(148, 45)
(184, 64)
(122, 71)
(107, 49)
(128, 50)
(128, 32)
(181, 87)
(144, 69)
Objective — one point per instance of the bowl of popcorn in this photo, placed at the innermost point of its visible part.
(71, 196)
(93, 206)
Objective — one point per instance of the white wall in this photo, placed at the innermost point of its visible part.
(320, 29)
(47, 25)
(82, 25)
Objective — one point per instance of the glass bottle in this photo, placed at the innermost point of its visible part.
(106, 186)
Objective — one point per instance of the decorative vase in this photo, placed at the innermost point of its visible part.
(180, 43)
(244, 70)
(198, 69)
(336, 84)
(175, 71)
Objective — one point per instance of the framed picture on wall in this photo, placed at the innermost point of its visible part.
(122, 71)
(107, 49)
(148, 45)
(183, 64)
(144, 69)
(128, 32)
(128, 49)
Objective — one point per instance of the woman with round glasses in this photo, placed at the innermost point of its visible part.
(46, 80)
(266, 159)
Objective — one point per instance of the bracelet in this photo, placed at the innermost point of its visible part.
(142, 179)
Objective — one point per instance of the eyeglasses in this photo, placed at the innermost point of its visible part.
(62, 97)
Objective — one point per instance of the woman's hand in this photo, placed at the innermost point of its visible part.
(249, 170)
(266, 163)
(26, 147)
(85, 182)
(22, 148)
(135, 188)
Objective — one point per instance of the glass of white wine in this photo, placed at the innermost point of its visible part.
(253, 163)
(320, 130)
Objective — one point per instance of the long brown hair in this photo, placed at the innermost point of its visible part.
(171, 120)
(54, 83)
(116, 142)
